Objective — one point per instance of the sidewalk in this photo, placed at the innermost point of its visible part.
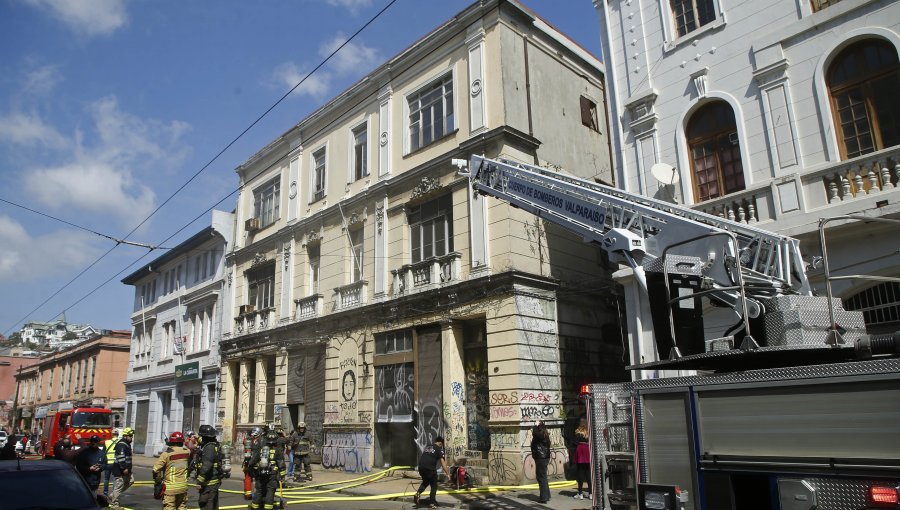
(406, 482)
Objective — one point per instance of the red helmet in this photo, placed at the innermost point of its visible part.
(176, 438)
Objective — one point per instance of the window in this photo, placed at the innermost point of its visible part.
(589, 114)
(431, 228)
(261, 287)
(360, 153)
(818, 5)
(265, 202)
(863, 82)
(314, 267)
(715, 152)
(356, 254)
(431, 113)
(319, 174)
(692, 14)
(391, 343)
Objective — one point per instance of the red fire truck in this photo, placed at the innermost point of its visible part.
(79, 424)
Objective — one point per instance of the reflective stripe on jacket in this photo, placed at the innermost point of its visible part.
(172, 467)
(209, 472)
(109, 446)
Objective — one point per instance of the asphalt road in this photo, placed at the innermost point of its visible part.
(140, 497)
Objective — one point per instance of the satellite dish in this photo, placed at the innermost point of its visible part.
(664, 173)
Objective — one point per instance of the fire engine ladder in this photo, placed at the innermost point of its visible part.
(770, 264)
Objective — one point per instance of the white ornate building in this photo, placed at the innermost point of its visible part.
(173, 374)
(773, 112)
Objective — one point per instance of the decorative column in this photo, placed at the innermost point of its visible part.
(384, 132)
(381, 244)
(244, 411)
(261, 388)
(475, 43)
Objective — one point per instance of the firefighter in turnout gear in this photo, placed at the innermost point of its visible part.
(210, 468)
(268, 469)
(300, 448)
(250, 442)
(171, 469)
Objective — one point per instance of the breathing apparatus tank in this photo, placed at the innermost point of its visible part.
(264, 458)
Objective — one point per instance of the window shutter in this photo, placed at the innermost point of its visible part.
(586, 117)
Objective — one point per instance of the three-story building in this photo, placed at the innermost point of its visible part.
(377, 299)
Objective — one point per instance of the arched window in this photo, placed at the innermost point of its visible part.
(863, 82)
(715, 151)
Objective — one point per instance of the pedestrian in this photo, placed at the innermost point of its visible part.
(63, 450)
(432, 455)
(582, 460)
(540, 454)
(121, 470)
(268, 469)
(88, 462)
(300, 447)
(210, 469)
(109, 458)
(171, 469)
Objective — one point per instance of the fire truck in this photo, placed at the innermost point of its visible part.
(748, 391)
(78, 424)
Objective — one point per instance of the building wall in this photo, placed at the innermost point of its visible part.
(483, 320)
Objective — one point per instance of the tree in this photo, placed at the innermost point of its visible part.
(70, 335)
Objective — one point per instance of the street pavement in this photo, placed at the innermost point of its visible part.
(378, 489)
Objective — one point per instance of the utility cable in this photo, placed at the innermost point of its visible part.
(107, 236)
(196, 174)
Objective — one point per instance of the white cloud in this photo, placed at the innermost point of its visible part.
(289, 74)
(106, 177)
(42, 80)
(29, 130)
(352, 58)
(351, 5)
(25, 257)
(87, 17)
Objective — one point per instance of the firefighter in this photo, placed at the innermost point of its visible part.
(171, 469)
(121, 469)
(109, 458)
(268, 469)
(210, 468)
(249, 443)
(300, 447)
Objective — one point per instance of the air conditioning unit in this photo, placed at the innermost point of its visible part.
(251, 225)
(245, 309)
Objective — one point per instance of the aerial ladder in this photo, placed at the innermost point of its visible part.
(793, 407)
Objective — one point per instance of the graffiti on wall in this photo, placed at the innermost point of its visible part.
(429, 423)
(556, 466)
(349, 451)
(348, 356)
(394, 393)
(455, 418)
(477, 408)
(332, 413)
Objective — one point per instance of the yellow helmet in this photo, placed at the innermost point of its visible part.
(127, 431)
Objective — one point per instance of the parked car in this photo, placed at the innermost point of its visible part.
(3, 438)
(24, 486)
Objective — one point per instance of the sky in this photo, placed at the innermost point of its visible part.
(108, 107)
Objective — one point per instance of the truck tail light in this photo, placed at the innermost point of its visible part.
(585, 389)
(882, 495)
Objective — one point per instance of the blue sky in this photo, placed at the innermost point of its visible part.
(108, 106)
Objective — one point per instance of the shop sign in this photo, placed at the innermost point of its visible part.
(41, 412)
(187, 371)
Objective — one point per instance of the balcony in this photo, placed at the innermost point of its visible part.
(309, 307)
(353, 295)
(832, 189)
(250, 322)
(427, 274)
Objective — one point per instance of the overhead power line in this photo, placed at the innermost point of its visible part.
(195, 175)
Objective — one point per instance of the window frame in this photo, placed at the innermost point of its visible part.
(423, 90)
(695, 5)
(319, 184)
(357, 243)
(714, 137)
(864, 84)
(272, 190)
(315, 268)
(356, 156)
(442, 211)
(254, 278)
